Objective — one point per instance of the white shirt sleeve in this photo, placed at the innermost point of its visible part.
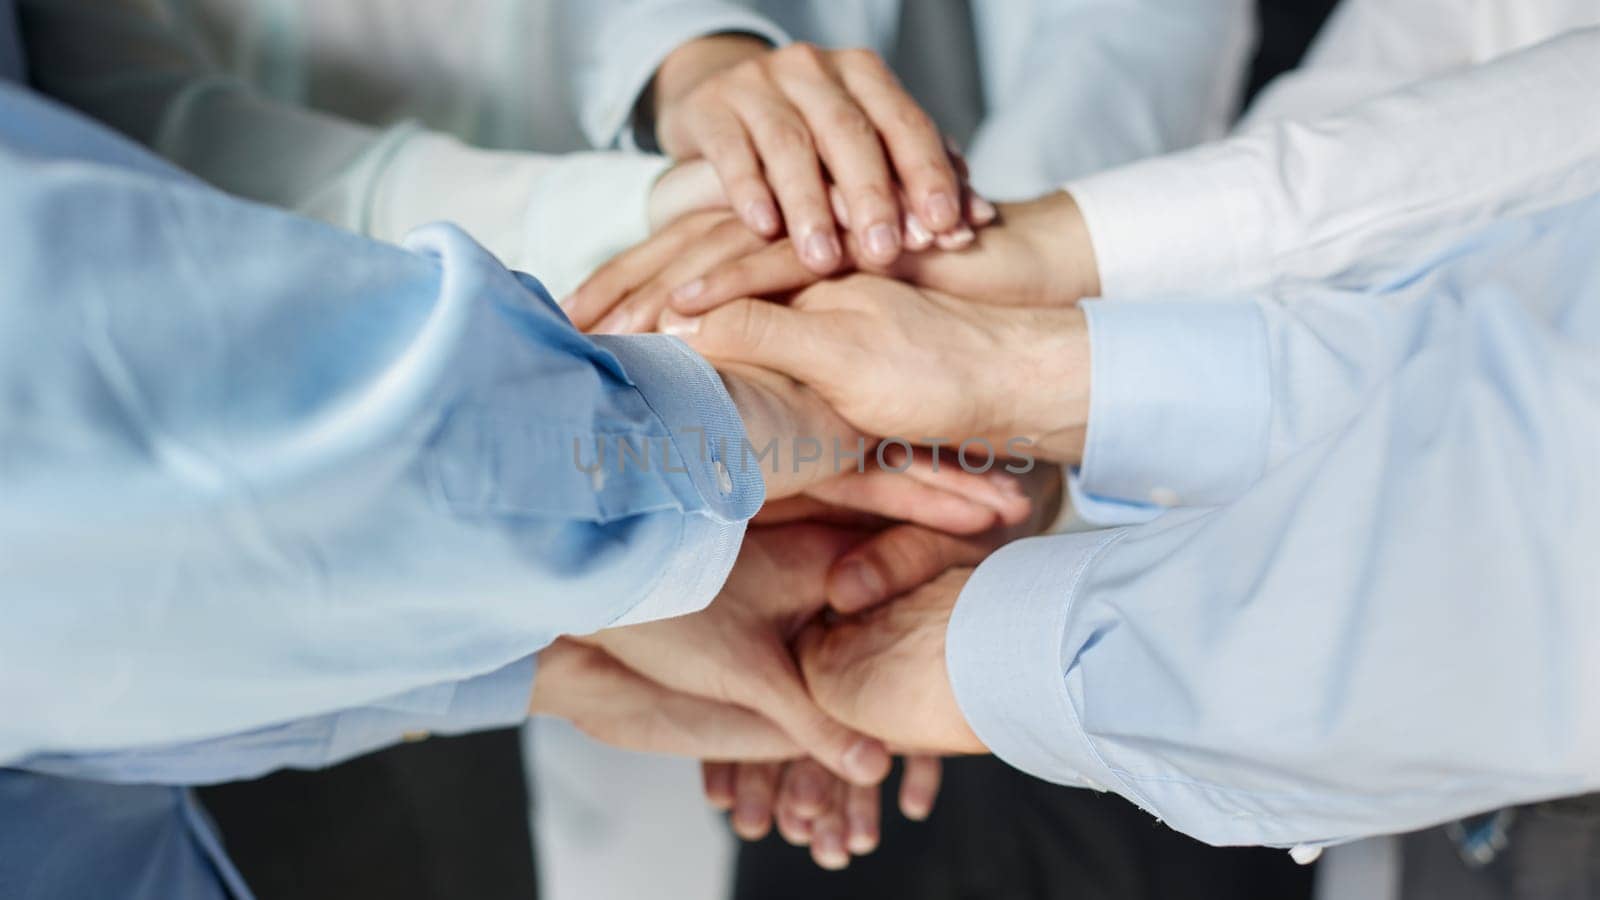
(124, 63)
(1347, 196)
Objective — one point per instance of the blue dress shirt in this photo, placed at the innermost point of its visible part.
(274, 495)
(1375, 604)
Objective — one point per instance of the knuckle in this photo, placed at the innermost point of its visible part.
(750, 70)
(928, 172)
(874, 199)
(861, 60)
(909, 118)
(787, 136)
(802, 53)
(847, 122)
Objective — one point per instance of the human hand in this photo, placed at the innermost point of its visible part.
(893, 360)
(736, 651)
(810, 441)
(627, 294)
(687, 187)
(812, 807)
(770, 120)
(883, 671)
(1038, 253)
(612, 704)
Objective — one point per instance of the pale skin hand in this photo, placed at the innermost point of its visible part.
(613, 704)
(810, 805)
(896, 360)
(770, 120)
(884, 671)
(1037, 254)
(628, 293)
(736, 651)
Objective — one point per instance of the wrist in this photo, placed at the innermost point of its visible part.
(1045, 385)
(1054, 227)
(686, 68)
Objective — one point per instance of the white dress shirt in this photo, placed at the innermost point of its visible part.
(370, 115)
(1335, 196)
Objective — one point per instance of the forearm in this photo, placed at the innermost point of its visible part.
(494, 700)
(239, 414)
(1402, 176)
(633, 40)
(1213, 696)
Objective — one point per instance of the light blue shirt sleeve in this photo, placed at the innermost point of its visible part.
(257, 470)
(495, 700)
(1393, 626)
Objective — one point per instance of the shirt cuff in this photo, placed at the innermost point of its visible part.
(639, 43)
(1167, 225)
(1179, 404)
(689, 398)
(1004, 650)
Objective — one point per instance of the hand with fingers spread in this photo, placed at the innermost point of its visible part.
(779, 124)
(1036, 253)
(894, 360)
(737, 649)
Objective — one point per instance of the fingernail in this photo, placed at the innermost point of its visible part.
(918, 237)
(761, 216)
(749, 817)
(956, 238)
(881, 242)
(678, 324)
(917, 809)
(691, 290)
(866, 762)
(859, 585)
(863, 840)
(1005, 484)
(828, 850)
(821, 248)
(983, 212)
(942, 212)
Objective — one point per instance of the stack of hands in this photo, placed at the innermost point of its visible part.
(818, 242)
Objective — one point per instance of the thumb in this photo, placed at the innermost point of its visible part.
(769, 335)
(895, 561)
(781, 695)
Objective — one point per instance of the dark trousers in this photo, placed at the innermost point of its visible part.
(441, 819)
(1551, 852)
(997, 834)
